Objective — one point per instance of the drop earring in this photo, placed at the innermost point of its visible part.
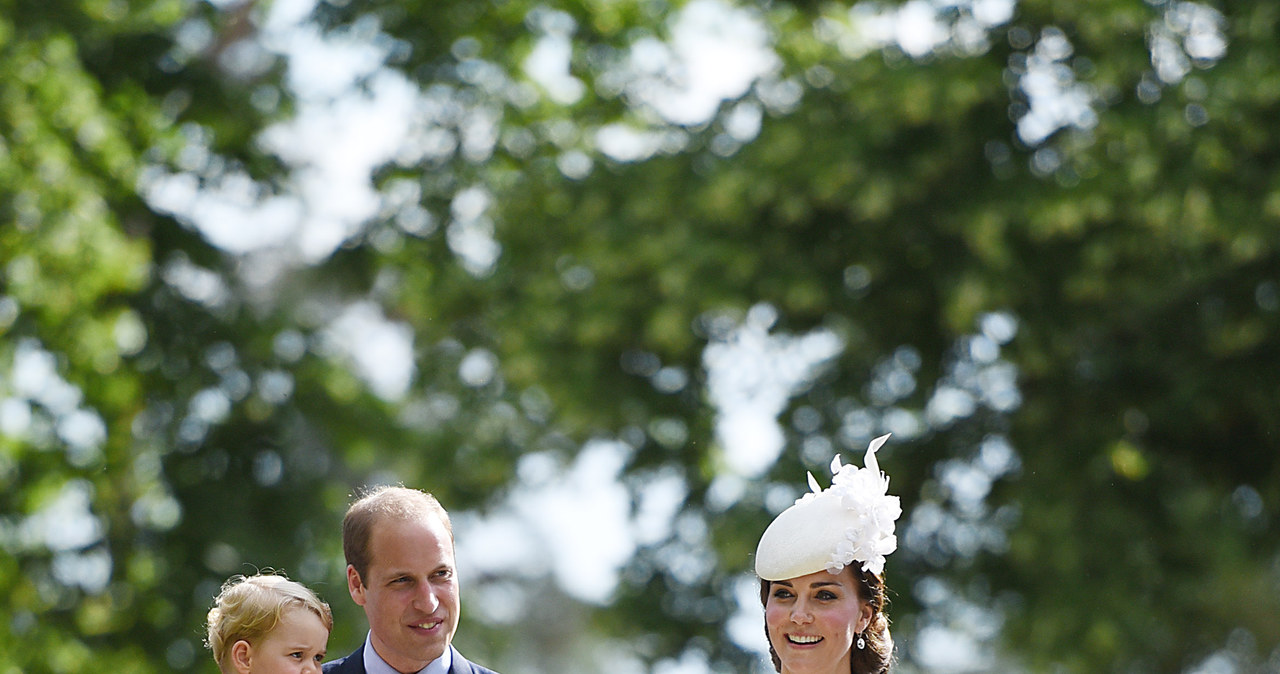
(861, 642)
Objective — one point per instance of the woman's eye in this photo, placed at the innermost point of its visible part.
(781, 594)
(825, 595)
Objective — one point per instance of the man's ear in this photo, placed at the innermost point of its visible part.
(355, 586)
(241, 655)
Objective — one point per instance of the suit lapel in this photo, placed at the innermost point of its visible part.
(352, 664)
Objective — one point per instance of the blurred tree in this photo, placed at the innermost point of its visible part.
(1041, 235)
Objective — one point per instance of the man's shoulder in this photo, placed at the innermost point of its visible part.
(352, 664)
(461, 665)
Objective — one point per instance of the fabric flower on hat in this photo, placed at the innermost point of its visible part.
(864, 492)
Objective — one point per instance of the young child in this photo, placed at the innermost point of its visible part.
(268, 624)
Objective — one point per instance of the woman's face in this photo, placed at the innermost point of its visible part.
(813, 621)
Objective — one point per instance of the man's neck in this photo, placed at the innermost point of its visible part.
(375, 663)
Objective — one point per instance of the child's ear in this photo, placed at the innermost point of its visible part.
(241, 656)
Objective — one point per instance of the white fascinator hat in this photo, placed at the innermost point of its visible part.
(852, 521)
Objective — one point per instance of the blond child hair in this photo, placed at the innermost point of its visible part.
(250, 607)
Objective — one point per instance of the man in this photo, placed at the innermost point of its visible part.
(398, 543)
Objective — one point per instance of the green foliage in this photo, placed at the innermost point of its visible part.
(890, 201)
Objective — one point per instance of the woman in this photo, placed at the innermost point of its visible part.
(821, 565)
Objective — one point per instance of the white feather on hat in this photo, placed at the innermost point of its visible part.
(851, 521)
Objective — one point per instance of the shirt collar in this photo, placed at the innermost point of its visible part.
(374, 664)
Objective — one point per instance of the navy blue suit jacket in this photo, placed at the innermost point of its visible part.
(354, 664)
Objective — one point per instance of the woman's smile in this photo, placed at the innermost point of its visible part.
(814, 620)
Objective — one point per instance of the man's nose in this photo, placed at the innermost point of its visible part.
(427, 598)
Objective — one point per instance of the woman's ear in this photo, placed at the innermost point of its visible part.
(865, 613)
(241, 656)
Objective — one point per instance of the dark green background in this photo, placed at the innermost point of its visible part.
(894, 206)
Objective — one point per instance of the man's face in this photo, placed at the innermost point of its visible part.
(410, 592)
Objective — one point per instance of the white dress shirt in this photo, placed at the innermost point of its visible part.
(374, 664)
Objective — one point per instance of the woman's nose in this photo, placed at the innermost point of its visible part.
(800, 614)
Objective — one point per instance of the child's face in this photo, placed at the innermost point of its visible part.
(297, 645)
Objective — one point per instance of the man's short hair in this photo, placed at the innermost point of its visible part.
(385, 503)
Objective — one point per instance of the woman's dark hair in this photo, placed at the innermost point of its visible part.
(878, 654)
